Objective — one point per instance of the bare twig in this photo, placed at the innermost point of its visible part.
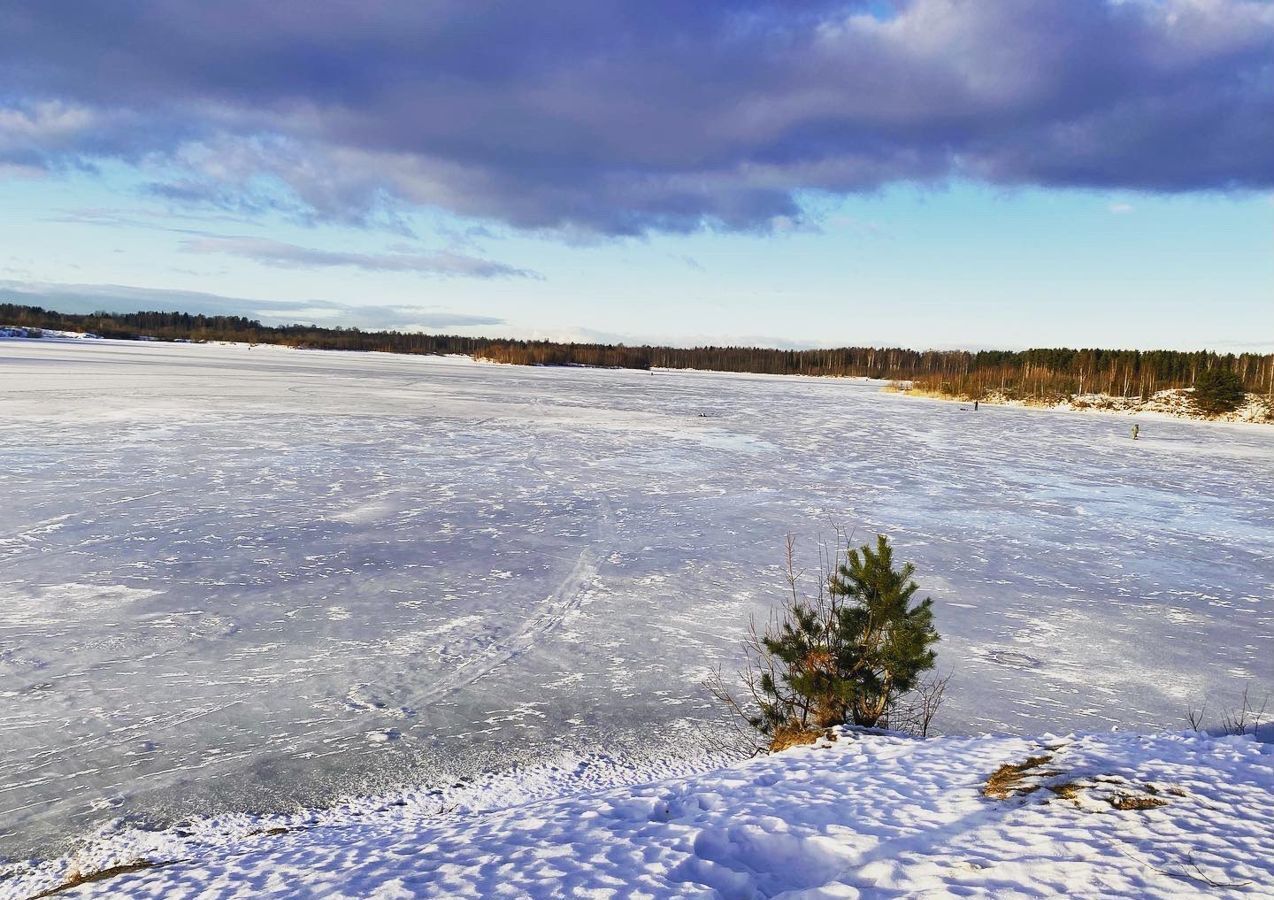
(1200, 876)
(1246, 718)
(743, 738)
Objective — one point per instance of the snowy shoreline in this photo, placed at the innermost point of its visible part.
(1164, 406)
(1083, 815)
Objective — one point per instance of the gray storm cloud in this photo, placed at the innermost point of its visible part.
(609, 117)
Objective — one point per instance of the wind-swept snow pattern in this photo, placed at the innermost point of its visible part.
(1111, 815)
(241, 580)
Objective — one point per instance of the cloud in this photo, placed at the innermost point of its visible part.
(1120, 209)
(628, 116)
(291, 256)
(84, 298)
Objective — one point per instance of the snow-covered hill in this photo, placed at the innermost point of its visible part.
(1115, 814)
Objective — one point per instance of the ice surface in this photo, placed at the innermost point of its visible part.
(258, 580)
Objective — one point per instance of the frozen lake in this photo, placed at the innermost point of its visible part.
(238, 579)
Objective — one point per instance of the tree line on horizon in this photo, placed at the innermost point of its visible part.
(1039, 373)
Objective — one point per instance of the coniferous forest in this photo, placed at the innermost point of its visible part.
(1035, 373)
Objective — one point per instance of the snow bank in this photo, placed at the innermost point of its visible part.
(1176, 403)
(44, 334)
(1114, 814)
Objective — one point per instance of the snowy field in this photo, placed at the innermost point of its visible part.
(1110, 815)
(262, 580)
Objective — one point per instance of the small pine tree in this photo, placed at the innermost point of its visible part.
(1218, 391)
(888, 641)
(846, 655)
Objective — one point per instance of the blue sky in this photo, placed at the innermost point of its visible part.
(943, 174)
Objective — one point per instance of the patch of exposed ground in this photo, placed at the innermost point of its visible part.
(1092, 792)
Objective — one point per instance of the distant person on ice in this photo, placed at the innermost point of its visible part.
(1136, 429)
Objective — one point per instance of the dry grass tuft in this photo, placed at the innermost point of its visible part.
(1129, 802)
(77, 878)
(1010, 779)
(1068, 790)
(1090, 793)
(786, 736)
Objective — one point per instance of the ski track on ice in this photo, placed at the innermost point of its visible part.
(548, 616)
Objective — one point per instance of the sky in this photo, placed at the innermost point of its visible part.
(923, 173)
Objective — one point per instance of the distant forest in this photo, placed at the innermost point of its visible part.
(1043, 373)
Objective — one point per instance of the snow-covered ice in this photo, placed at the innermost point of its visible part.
(1110, 815)
(263, 580)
